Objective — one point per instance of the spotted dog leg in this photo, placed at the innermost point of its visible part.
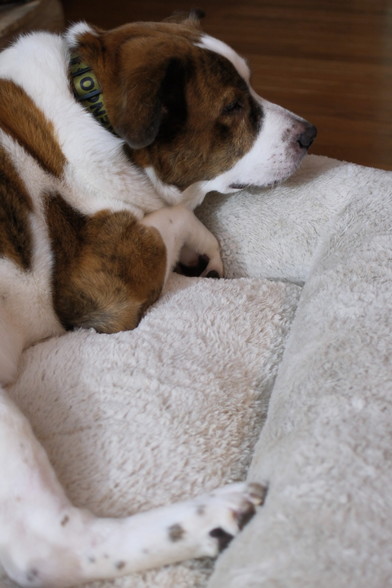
(47, 542)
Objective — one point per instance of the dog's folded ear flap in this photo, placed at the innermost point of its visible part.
(138, 115)
(137, 98)
(146, 97)
(84, 34)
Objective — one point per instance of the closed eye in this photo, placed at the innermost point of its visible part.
(232, 107)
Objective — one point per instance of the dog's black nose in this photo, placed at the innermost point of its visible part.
(307, 137)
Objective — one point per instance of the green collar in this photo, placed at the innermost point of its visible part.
(88, 91)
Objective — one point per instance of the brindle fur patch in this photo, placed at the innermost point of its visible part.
(25, 123)
(198, 138)
(15, 207)
(108, 268)
(173, 102)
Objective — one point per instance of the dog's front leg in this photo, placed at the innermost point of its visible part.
(181, 232)
(47, 542)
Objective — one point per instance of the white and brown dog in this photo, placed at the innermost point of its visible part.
(108, 141)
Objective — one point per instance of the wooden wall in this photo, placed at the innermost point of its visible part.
(328, 60)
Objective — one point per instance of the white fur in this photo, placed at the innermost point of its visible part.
(75, 31)
(272, 158)
(134, 423)
(37, 548)
(220, 47)
(26, 297)
(189, 231)
(39, 64)
(97, 176)
(131, 420)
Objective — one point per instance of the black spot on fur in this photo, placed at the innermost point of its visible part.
(222, 537)
(176, 533)
(32, 575)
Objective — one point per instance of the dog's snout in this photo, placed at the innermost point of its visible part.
(307, 136)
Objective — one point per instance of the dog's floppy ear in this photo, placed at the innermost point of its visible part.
(148, 97)
(82, 33)
(141, 88)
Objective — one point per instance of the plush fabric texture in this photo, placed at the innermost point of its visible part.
(175, 407)
(164, 412)
(325, 449)
(273, 233)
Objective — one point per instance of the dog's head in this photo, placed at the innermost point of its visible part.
(183, 103)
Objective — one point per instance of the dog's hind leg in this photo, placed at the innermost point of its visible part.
(45, 541)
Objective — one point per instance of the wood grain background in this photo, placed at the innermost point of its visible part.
(328, 60)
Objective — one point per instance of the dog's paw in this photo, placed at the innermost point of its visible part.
(192, 265)
(207, 264)
(223, 513)
(214, 267)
